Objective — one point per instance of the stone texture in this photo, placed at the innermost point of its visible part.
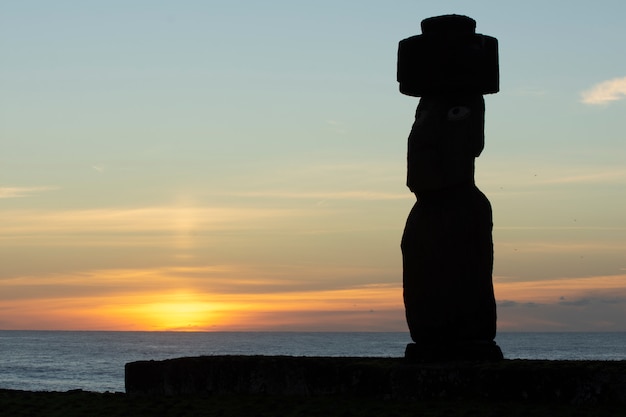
(571, 382)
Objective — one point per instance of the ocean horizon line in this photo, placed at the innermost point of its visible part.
(286, 331)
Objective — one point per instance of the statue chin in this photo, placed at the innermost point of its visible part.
(434, 170)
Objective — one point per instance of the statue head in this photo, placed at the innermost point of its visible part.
(447, 135)
(450, 67)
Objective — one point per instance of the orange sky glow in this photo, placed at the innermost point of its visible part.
(105, 300)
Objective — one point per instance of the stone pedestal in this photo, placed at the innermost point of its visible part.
(539, 382)
(455, 352)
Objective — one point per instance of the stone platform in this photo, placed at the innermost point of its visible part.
(572, 382)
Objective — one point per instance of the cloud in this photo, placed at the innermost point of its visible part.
(510, 303)
(220, 297)
(329, 195)
(585, 301)
(584, 175)
(579, 304)
(145, 219)
(564, 291)
(17, 192)
(605, 92)
(337, 127)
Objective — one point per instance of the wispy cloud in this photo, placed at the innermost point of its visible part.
(617, 175)
(17, 192)
(582, 304)
(522, 182)
(553, 291)
(605, 92)
(329, 195)
(147, 219)
(215, 297)
(336, 126)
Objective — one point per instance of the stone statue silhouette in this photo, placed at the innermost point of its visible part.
(447, 247)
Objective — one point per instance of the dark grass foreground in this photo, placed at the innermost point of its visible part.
(81, 403)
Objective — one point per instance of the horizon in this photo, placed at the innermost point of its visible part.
(287, 331)
(202, 165)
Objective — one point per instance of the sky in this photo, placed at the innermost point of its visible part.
(240, 166)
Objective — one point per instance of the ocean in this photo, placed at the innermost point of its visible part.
(94, 361)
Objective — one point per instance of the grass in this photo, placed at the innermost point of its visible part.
(83, 403)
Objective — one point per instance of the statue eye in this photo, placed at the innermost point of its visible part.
(458, 113)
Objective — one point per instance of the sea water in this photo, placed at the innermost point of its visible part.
(94, 361)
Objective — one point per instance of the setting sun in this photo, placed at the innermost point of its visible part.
(178, 311)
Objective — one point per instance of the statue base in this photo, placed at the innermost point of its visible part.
(460, 351)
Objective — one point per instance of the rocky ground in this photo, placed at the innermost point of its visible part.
(82, 403)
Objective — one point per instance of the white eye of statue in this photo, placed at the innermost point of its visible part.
(458, 113)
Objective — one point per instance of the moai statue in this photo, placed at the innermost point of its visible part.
(447, 247)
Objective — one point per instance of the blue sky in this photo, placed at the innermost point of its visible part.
(268, 139)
